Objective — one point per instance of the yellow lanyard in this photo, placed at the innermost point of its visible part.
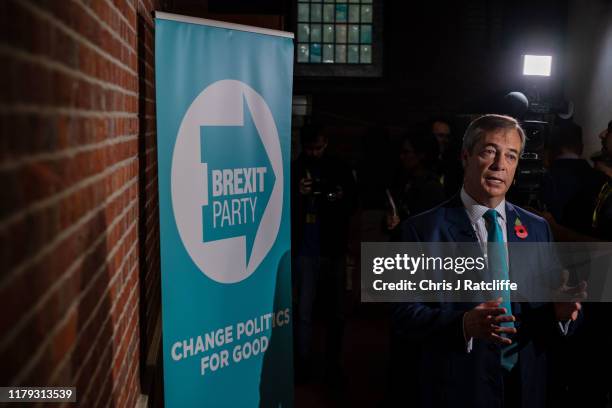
(605, 191)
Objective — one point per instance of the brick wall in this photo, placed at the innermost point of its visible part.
(79, 238)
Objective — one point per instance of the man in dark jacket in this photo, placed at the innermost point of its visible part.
(571, 189)
(322, 198)
(493, 354)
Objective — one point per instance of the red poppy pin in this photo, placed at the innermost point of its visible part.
(519, 229)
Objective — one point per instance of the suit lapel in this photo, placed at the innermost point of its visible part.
(511, 217)
(459, 226)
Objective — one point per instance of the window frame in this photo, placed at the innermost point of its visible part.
(333, 69)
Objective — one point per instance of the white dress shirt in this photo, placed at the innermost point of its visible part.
(476, 212)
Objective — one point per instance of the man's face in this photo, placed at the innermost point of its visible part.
(315, 150)
(441, 131)
(490, 167)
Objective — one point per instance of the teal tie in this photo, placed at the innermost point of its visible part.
(498, 266)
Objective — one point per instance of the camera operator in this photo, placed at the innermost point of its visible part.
(588, 351)
(600, 216)
(323, 196)
(572, 185)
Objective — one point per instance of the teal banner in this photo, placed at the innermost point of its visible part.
(223, 141)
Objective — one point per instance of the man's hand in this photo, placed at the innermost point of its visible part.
(483, 322)
(306, 186)
(569, 310)
(392, 221)
(565, 311)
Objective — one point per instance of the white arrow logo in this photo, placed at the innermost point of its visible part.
(221, 104)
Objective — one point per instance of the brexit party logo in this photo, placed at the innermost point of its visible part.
(227, 181)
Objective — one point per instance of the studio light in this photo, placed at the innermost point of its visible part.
(537, 65)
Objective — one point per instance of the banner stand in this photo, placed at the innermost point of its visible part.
(223, 96)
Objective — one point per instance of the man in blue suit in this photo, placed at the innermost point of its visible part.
(491, 354)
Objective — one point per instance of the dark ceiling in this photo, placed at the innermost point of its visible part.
(438, 56)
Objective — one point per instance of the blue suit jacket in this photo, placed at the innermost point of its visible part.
(443, 373)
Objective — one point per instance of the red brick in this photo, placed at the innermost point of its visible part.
(64, 339)
(54, 73)
(44, 274)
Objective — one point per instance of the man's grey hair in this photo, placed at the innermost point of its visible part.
(490, 124)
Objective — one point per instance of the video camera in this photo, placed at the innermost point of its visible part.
(531, 173)
(324, 188)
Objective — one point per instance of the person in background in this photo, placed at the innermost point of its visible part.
(600, 218)
(449, 168)
(572, 185)
(417, 187)
(323, 195)
(588, 352)
(440, 129)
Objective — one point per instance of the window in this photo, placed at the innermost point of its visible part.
(337, 32)
(330, 32)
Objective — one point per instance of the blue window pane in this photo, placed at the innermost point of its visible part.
(315, 32)
(353, 34)
(366, 14)
(315, 52)
(303, 32)
(302, 52)
(340, 33)
(315, 12)
(328, 53)
(328, 13)
(353, 13)
(303, 12)
(366, 34)
(366, 54)
(328, 33)
(341, 54)
(353, 54)
(341, 13)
